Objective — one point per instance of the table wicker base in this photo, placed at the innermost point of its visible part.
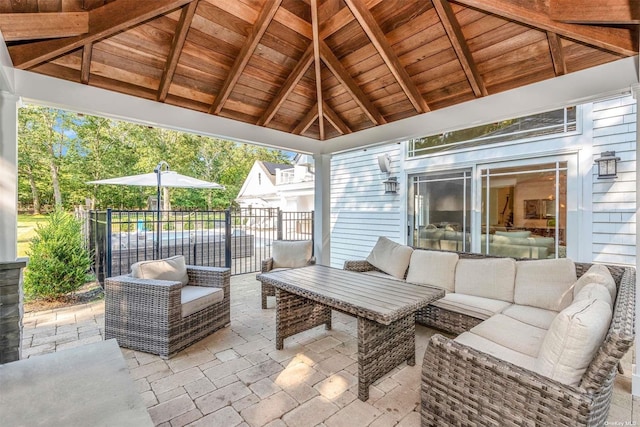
(380, 347)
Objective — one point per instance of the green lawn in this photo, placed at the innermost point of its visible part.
(26, 231)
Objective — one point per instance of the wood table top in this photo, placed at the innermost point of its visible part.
(376, 298)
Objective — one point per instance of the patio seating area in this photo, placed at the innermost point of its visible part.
(237, 377)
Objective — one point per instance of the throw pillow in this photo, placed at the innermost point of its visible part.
(172, 269)
(390, 257)
(291, 253)
(597, 273)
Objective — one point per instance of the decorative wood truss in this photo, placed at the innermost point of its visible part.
(319, 68)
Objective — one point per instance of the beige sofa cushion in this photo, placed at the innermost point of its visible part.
(545, 283)
(478, 307)
(291, 253)
(516, 234)
(511, 333)
(390, 257)
(503, 353)
(597, 273)
(534, 316)
(594, 291)
(173, 269)
(572, 341)
(433, 268)
(487, 278)
(195, 298)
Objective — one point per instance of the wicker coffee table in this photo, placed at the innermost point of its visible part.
(385, 309)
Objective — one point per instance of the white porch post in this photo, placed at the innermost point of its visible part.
(322, 209)
(8, 177)
(635, 389)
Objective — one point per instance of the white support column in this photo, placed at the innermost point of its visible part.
(8, 177)
(635, 384)
(322, 209)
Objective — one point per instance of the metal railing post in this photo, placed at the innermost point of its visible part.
(108, 230)
(279, 225)
(227, 238)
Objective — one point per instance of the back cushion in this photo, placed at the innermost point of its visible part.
(573, 340)
(390, 257)
(594, 291)
(488, 278)
(173, 269)
(514, 233)
(600, 274)
(290, 254)
(545, 283)
(433, 268)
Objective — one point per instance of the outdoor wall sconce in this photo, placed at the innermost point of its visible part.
(607, 165)
(391, 185)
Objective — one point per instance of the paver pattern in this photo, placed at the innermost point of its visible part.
(236, 377)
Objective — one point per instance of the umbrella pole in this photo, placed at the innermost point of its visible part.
(158, 171)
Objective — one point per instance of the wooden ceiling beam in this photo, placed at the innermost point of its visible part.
(382, 45)
(459, 43)
(334, 65)
(288, 86)
(104, 21)
(317, 64)
(335, 120)
(306, 121)
(249, 46)
(619, 40)
(179, 37)
(595, 11)
(340, 19)
(34, 26)
(85, 68)
(557, 55)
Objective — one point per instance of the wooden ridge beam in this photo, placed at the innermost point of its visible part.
(595, 11)
(85, 68)
(334, 65)
(340, 19)
(317, 64)
(557, 55)
(379, 40)
(619, 40)
(459, 43)
(34, 26)
(179, 37)
(335, 120)
(259, 28)
(288, 86)
(307, 120)
(104, 21)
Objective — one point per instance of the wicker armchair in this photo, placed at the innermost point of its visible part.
(146, 315)
(463, 386)
(303, 250)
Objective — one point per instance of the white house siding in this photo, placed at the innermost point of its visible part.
(360, 209)
(614, 200)
(603, 212)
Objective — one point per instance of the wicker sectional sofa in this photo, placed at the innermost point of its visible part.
(530, 342)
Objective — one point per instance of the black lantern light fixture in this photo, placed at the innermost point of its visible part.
(607, 165)
(391, 185)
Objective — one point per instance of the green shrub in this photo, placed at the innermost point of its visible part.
(58, 261)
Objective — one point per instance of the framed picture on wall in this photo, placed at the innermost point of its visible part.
(532, 209)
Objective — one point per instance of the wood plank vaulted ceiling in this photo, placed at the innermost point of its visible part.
(267, 62)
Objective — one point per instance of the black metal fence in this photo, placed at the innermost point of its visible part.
(238, 239)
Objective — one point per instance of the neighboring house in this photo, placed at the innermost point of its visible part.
(287, 187)
(524, 187)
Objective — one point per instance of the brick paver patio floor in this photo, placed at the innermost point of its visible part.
(236, 377)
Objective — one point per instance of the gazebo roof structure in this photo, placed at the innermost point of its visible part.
(268, 62)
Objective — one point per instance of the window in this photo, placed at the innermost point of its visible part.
(524, 211)
(536, 125)
(441, 211)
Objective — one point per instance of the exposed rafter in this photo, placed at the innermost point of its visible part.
(103, 22)
(317, 64)
(179, 37)
(557, 55)
(259, 28)
(334, 65)
(33, 26)
(618, 40)
(379, 40)
(340, 19)
(306, 121)
(595, 11)
(85, 69)
(334, 119)
(459, 43)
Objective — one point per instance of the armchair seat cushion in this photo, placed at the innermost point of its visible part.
(195, 298)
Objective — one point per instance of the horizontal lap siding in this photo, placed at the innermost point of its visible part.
(614, 200)
(360, 210)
